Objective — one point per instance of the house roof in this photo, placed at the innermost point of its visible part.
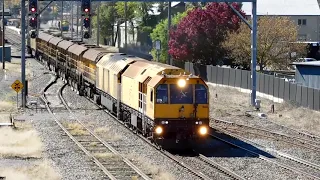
(311, 63)
(284, 7)
(155, 7)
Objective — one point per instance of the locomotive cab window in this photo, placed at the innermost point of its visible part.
(162, 94)
(201, 93)
(151, 95)
(180, 95)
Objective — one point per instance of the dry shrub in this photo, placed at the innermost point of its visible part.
(299, 118)
(157, 173)
(105, 132)
(93, 144)
(77, 129)
(7, 106)
(38, 171)
(106, 156)
(19, 143)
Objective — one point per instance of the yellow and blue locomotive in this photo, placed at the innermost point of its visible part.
(160, 101)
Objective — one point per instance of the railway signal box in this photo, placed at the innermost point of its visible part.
(33, 15)
(86, 16)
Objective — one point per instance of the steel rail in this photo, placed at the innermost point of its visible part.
(284, 136)
(43, 97)
(260, 156)
(129, 163)
(221, 168)
(284, 155)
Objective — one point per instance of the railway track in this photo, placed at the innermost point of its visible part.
(116, 166)
(13, 38)
(310, 170)
(292, 140)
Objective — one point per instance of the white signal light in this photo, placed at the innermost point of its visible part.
(33, 9)
(203, 130)
(182, 83)
(158, 130)
(86, 10)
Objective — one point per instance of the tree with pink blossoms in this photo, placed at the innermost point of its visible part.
(199, 36)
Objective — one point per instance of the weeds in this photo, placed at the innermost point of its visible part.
(25, 144)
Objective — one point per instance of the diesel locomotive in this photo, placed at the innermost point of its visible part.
(160, 101)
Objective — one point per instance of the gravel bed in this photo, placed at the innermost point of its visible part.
(294, 150)
(204, 168)
(67, 158)
(248, 165)
(144, 156)
(287, 161)
(232, 106)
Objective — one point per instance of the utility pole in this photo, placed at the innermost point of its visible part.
(72, 19)
(3, 43)
(98, 22)
(125, 25)
(23, 51)
(77, 19)
(61, 18)
(169, 25)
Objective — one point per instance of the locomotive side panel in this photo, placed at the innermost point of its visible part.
(130, 94)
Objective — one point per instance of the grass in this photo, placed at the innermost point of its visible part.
(156, 172)
(7, 106)
(76, 129)
(105, 132)
(106, 156)
(37, 171)
(231, 103)
(22, 143)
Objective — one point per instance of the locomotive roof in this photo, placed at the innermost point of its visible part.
(94, 53)
(45, 37)
(115, 62)
(55, 40)
(136, 69)
(77, 49)
(65, 44)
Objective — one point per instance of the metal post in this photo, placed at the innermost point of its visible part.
(3, 43)
(169, 25)
(113, 23)
(125, 25)
(72, 20)
(77, 19)
(61, 18)
(81, 28)
(98, 22)
(254, 51)
(23, 51)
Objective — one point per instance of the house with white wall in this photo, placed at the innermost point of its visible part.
(306, 13)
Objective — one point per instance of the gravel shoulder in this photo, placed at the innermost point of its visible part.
(231, 105)
(22, 153)
(47, 152)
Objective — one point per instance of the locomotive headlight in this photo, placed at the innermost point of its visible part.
(158, 130)
(182, 83)
(203, 130)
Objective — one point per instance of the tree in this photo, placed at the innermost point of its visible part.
(160, 32)
(275, 47)
(199, 35)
